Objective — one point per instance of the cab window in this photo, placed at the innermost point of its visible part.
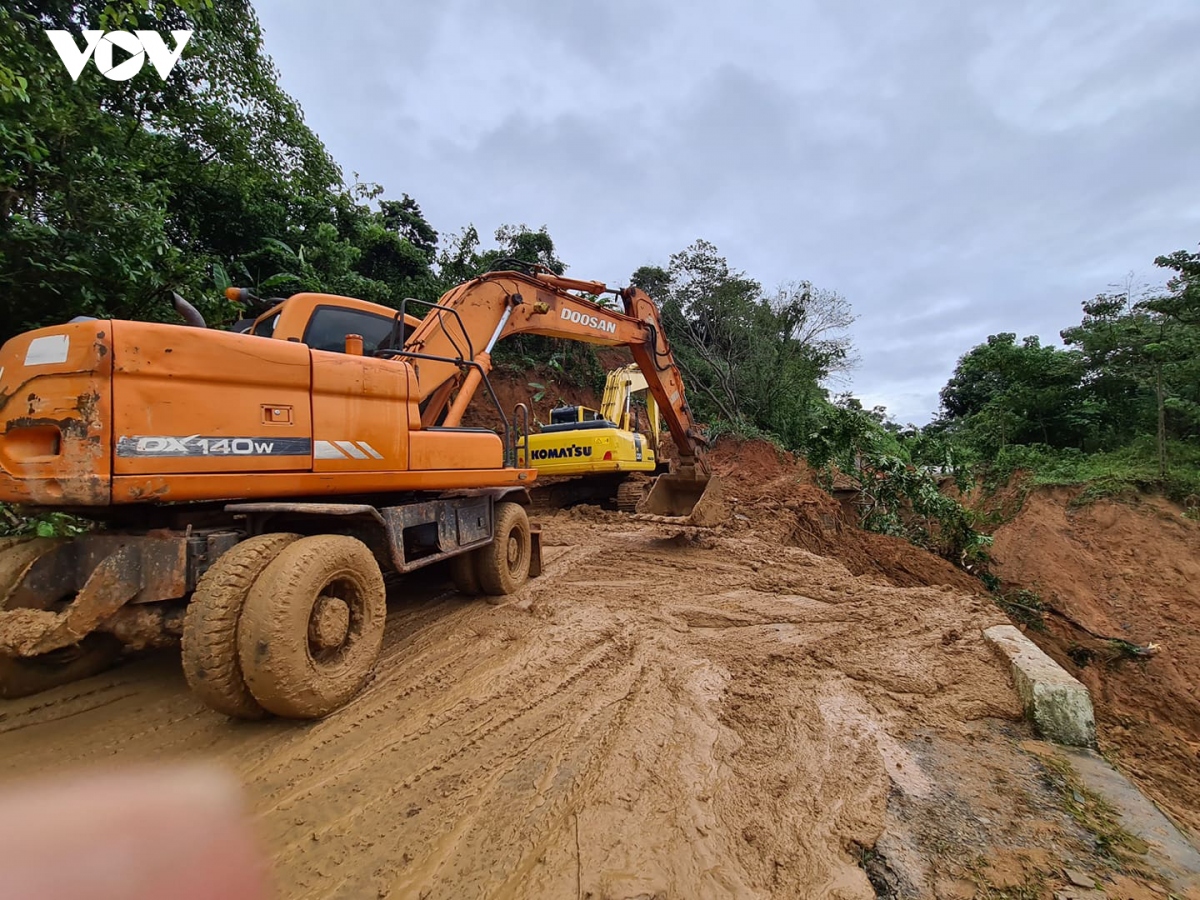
(329, 325)
(265, 327)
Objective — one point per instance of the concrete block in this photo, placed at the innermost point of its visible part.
(1058, 704)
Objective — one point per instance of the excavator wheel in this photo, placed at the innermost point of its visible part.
(503, 565)
(210, 645)
(464, 571)
(22, 677)
(312, 626)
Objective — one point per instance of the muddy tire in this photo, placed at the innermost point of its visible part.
(23, 677)
(503, 565)
(210, 626)
(312, 626)
(464, 572)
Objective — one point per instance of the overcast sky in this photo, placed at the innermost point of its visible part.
(952, 169)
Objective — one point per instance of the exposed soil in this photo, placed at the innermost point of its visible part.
(664, 713)
(554, 389)
(778, 498)
(512, 389)
(1126, 570)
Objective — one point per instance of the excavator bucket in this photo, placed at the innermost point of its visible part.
(685, 499)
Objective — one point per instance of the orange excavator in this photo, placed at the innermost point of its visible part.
(251, 488)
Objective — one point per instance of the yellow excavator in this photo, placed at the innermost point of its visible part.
(602, 456)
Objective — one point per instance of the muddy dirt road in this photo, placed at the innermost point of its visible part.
(656, 716)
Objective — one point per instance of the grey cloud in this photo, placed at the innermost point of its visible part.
(952, 169)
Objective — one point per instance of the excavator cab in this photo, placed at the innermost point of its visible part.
(323, 321)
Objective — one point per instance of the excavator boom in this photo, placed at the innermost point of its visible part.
(451, 352)
(616, 405)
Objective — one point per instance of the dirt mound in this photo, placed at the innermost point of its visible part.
(777, 496)
(657, 716)
(753, 464)
(660, 714)
(541, 389)
(1128, 571)
(513, 388)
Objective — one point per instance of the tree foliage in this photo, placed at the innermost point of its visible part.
(752, 358)
(113, 193)
(1130, 370)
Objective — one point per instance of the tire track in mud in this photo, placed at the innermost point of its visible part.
(655, 715)
(471, 716)
(445, 775)
(529, 764)
(471, 637)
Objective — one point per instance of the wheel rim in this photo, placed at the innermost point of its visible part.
(329, 624)
(515, 552)
(335, 621)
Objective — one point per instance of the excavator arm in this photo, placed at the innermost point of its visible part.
(616, 405)
(451, 348)
(451, 352)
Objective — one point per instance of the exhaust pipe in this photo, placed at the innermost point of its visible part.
(190, 314)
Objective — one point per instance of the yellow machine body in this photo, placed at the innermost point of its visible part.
(583, 441)
(601, 449)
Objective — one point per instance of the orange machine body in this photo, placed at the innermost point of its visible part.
(104, 412)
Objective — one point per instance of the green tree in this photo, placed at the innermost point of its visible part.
(754, 360)
(1142, 367)
(1003, 392)
(112, 194)
(1182, 301)
(1126, 381)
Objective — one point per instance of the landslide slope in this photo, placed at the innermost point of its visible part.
(1126, 569)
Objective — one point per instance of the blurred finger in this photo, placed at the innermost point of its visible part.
(157, 832)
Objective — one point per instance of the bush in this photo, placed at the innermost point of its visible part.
(1134, 467)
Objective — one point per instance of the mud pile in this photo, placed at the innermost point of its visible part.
(550, 387)
(1127, 570)
(513, 388)
(658, 715)
(777, 497)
